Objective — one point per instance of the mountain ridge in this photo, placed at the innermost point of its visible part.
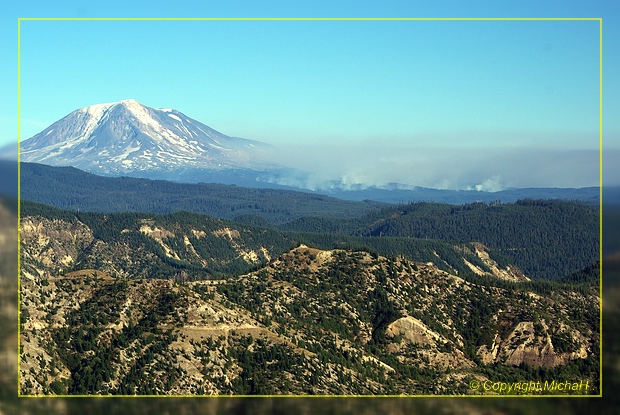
(199, 246)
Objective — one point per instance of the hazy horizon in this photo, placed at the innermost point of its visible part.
(443, 104)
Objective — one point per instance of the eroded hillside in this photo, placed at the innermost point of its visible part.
(182, 245)
(308, 322)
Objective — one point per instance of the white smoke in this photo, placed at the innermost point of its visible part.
(492, 184)
(481, 169)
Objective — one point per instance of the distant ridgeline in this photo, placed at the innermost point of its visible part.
(73, 189)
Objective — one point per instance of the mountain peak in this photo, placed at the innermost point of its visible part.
(133, 105)
(127, 137)
(97, 110)
(129, 101)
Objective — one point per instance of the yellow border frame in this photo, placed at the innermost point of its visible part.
(600, 20)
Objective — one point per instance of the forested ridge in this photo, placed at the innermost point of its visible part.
(199, 247)
(546, 239)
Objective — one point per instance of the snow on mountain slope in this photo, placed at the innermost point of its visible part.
(127, 137)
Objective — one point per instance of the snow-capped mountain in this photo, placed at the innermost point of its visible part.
(127, 137)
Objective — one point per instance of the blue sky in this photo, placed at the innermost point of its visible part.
(489, 91)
